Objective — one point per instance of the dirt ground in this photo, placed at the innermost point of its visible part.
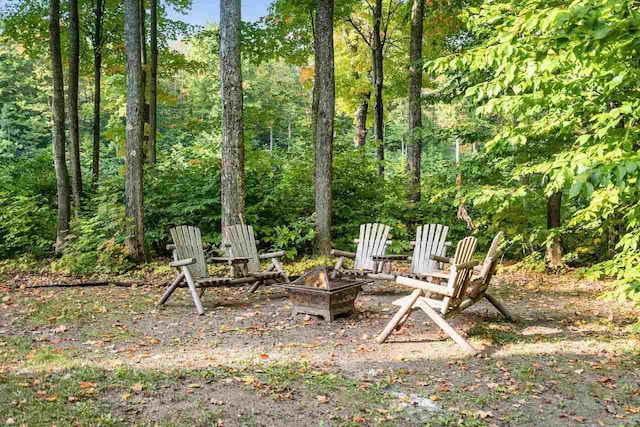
(110, 356)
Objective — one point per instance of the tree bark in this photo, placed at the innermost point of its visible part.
(59, 154)
(133, 146)
(153, 84)
(555, 250)
(143, 60)
(97, 79)
(325, 83)
(414, 144)
(378, 81)
(360, 136)
(232, 176)
(74, 75)
(314, 94)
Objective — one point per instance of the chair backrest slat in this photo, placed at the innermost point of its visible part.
(188, 244)
(458, 280)
(240, 241)
(430, 240)
(480, 285)
(373, 241)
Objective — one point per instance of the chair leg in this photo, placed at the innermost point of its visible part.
(399, 316)
(192, 289)
(403, 320)
(498, 305)
(439, 320)
(278, 267)
(171, 288)
(338, 267)
(255, 286)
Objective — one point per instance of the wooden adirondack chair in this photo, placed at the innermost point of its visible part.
(430, 241)
(371, 243)
(189, 259)
(475, 291)
(239, 241)
(431, 296)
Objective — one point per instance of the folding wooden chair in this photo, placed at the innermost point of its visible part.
(457, 296)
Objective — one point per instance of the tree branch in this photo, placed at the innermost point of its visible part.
(355, 27)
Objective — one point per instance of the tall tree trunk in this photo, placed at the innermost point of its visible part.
(74, 75)
(97, 79)
(360, 136)
(133, 147)
(414, 144)
(232, 119)
(378, 80)
(59, 154)
(555, 250)
(314, 95)
(325, 83)
(153, 84)
(143, 60)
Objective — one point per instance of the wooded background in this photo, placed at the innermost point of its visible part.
(319, 117)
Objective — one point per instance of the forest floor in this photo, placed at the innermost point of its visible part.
(109, 356)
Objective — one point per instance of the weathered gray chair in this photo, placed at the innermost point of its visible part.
(239, 241)
(189, 259)
(431, 239)
(373, 241)
(462, 291)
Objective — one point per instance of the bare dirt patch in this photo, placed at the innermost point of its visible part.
(570, 358)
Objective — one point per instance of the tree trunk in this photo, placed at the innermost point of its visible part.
(232, 119)
(378, 80)
(325, 83)
(143, 60)
(555, 250)
(314, 95)
(97, 78)
(74, 130)
(133, 147)
(153, 84)
(414, 144)
(360, 136)
(59, 154)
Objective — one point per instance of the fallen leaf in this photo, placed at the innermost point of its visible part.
(322, 399)
(137, 387)
(87, 384)
(484, 414)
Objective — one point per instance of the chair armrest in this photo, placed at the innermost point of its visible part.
(182, 262)
(441, 258)
(228, 260)
(272, 255)
(336, 252)
(439, 274)
(171, 247)
(467, 265)
(390, 257)
(425, 286)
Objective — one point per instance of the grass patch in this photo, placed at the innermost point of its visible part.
(14, 348)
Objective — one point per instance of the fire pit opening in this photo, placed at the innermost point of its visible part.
(319, 293)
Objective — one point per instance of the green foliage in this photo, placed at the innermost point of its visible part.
(96, 244)
(559, 81)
